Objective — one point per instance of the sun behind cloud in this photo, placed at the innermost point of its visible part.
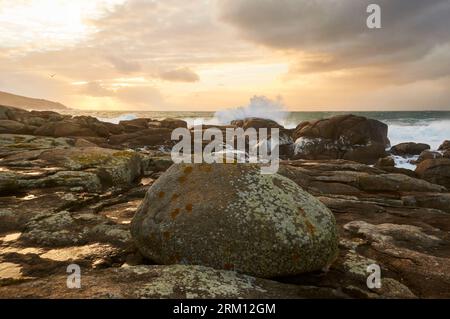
(205, 55)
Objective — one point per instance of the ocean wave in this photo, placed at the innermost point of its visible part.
(259, 106)
(431, 132)
(117, 119)
(429, 129)
(405, 162)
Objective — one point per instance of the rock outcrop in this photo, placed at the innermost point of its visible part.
(342, 137)
(72, 199)
(91, 168)
(133, 133)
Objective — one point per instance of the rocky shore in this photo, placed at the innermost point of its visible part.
(107, 197)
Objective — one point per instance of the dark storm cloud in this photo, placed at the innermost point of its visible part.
(334, 33)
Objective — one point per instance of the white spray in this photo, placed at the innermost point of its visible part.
(259, 106)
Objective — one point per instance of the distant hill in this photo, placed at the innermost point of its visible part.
(28, 103)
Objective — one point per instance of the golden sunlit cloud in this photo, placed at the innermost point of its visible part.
(204, 55)
(45, 24)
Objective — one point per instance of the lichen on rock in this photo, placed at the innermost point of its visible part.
(261, 225)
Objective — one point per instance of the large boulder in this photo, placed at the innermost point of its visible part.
(342, 137)
(436, 171)
(408, 149)
(229, 216)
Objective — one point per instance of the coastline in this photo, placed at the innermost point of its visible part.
(71, 189)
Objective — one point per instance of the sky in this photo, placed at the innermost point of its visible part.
(211, 54)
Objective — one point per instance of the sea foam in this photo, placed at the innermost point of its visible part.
(117, 119)
(431, 132)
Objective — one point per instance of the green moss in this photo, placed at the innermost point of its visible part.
(92, 159)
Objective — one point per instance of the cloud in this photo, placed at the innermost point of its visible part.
(124, 66)
(179, 75)
(144, 53)
(331, 35)
(145, 96)
(95, 88)
(135, 96)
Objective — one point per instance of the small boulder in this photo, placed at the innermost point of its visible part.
(405, 149)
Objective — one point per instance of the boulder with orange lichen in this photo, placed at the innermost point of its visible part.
(229, 216)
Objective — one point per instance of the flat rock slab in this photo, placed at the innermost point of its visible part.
(171, 282)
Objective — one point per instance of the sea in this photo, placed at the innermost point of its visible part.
(430, 127)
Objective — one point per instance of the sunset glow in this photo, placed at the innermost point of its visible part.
(206, 55)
